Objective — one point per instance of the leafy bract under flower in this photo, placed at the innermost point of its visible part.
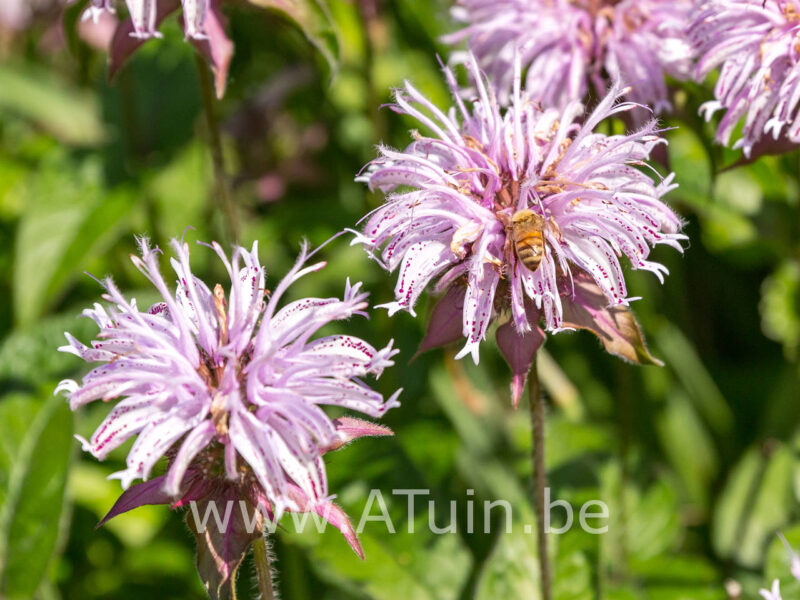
(227, 380)
(569, 45)
(755, 44)
(452, 195)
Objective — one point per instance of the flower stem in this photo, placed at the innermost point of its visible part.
(222, 189)
(539, 476)
(261, 553)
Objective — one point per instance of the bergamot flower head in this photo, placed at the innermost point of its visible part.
(755, 45)
(521, 211)
(210, 374)
(571, 46)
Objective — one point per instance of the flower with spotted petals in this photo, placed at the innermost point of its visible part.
(452, 194)
(227, 385)
(755, 46)
(202, 22)
(571, 46)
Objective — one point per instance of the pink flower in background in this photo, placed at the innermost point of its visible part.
(202, 21)
(755, 45)
(228, 385)
(144, 15)
(18, 14)
(568, 45)
(455, 196)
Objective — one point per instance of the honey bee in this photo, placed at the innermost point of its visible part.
(527, 237)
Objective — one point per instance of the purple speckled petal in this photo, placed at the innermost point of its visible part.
(754, 46)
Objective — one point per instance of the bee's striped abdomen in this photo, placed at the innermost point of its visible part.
(527, 233)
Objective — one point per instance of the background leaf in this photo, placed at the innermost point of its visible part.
(31, 518)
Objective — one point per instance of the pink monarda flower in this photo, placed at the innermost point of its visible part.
(202, 21)
(144, 15)
(568, 45)
(521, 210)
(228, 386)
(756, 45)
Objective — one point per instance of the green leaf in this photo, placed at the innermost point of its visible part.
(31, 518)
(314, 18)
(689, 447)
(682, 358)
(28, 356)
(756, 501)
(780, 307)
(69, 114)
(70, 218)
(17, 412)
(512, 570)
(779, 561)
(398, 566)
(690, 161)
(738, 191)
(180, 190)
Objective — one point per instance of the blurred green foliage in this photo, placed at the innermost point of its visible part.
(698, 460)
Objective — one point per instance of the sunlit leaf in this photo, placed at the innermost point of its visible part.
(68, 219)
(31, 518)
(756, 502)
(780, 306)
(68, 113)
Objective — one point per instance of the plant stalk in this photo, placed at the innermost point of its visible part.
(539, 477)
(222, 190)
(263, 568)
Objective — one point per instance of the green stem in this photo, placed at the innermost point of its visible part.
(221, 183)
(263, 569)
(539, 476)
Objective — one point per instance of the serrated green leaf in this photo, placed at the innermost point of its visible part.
(512, 570)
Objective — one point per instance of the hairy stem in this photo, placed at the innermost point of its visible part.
(263, 569)
(222, 190)
(539, 476)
